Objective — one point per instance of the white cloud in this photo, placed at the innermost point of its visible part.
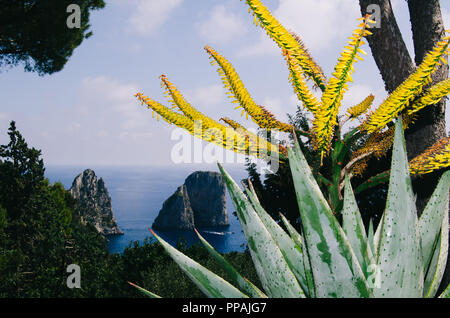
(221, 26)
(110, 99)
(208, 95)
(320, 23)
(264, 46)
(150, 15)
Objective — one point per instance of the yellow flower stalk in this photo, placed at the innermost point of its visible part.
(251, 136)
(167, 114)
(286, 41)
(378, 144)
(401, 98)
(326, 117)
(431, 96)
(208, 129)
(360, 108)
(296, 77)
(434, 158)
(177, 100)
(236, 88)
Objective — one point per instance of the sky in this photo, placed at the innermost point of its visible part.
(86, 114)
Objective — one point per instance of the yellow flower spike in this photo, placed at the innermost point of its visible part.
(434, 158)
(378, 144)
(406, 92)
(297, 80)
(254, 138)
(172, 117)
(177, 99)
(231, 140)
(285, 40)
(360, 108)
(325, 119)
(430, 96)
(233, 83)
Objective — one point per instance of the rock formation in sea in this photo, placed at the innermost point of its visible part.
(94, 203)
(200, 202)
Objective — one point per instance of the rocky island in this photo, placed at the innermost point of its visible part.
(199, 202)
(94, 203)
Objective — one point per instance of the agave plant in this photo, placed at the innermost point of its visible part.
(374, 135)
(404, 257)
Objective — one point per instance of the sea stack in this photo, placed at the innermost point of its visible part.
(200, 202)
(94, 203)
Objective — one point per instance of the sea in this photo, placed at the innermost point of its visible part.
(137, 195)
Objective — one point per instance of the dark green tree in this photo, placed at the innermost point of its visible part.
(35, 33)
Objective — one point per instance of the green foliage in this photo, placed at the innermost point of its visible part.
(35, 33)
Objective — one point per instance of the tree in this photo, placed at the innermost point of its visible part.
(35, 33)
(395, 65)
(21, 172)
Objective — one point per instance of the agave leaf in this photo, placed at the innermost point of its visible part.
(243, 283)
(336, 270)
(400, 258)
(431, 219)
(209, 283)
(438, 262)
(376, 238)
(144, 291)
(445, 293)
(370, 236)
(354, 229)
(275, 275)
(291, 254)
(300, 244)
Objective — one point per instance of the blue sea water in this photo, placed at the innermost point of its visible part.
(137, 195)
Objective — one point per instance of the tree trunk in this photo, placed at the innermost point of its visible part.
(388, 48)
(395, 65)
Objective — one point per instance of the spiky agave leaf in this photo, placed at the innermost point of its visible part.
(287, 246)
(326, 117)
(209, 283)
(433, 228)
(336, 270)
(296, 77)
(430, 96)
(300, 244)
(354, 229)
(399, 256)
(434, 158)
(287, 41)
(240, 281)
(406, 92)
(237, 90)
(275, 275)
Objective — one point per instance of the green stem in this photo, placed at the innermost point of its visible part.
(373, 182)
